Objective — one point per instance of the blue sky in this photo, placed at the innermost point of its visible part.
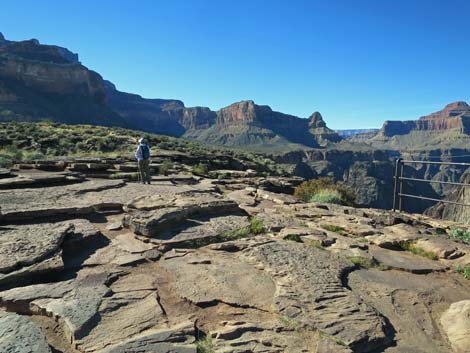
(357, 62)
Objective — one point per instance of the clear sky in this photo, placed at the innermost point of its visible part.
(357, 62)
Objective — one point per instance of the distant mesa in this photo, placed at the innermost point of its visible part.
(455, 116)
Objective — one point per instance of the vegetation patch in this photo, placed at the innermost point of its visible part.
(464, 271)
(165, 167)
(316, 244)
(289, 323)
(334, 339)
(126, 176)
(48, 140)
(201, 169)
(205, 345)
(325, 190)
(256, 226)
(460, 234)
(409, 246)
(366, 263)
(333, 228)
(328, 196)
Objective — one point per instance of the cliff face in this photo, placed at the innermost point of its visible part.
(159, 115)
(455, 116)
(452, 212)
(42, 81)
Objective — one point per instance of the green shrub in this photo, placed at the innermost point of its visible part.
(11, 152)
(200, 169)
(205, 345)
(290, 323)
(365, 262)
(126, 176)
(327, 196)
(33, 156)
(325, 188)
(460, 234)
(165, 167)
(333, 228)
(464, 271)
(409, 246)
(316, 244)
(256, 226)
(5, 162)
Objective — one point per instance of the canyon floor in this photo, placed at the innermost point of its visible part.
(189, 264)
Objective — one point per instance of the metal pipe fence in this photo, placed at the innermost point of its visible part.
(399, 195)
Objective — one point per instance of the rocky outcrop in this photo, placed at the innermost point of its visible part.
(152, 115)
(20, 335)
(182, 266)
(456, 323)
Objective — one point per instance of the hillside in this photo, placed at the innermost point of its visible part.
(23, 141)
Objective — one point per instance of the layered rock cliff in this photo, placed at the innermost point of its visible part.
(42, 81)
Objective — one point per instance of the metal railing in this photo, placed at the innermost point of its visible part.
(398, 193)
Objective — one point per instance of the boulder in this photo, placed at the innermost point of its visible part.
(19, 335)
(456, 324)
(153, 215)
(30, 250)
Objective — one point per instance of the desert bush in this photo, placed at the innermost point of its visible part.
(11, 152)
(200, 169)
(205, 345)
(460, 234)
(256, 226)
(409, 246)
(464, 271)
(33, 155)
(327, 196)
(126, 176)
(165, 167)
(333, 228)
(325, 188)
(5, 162)
(365, 262)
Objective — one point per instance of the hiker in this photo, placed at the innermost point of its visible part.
(143, 160)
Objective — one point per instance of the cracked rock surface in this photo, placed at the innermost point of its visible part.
(105, 266)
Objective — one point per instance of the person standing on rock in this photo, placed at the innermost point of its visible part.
(143, 160)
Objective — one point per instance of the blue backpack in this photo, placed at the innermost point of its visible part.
(145, 151)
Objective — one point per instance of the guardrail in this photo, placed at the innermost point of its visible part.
(398, 193)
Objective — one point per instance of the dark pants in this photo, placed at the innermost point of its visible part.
(144, 170)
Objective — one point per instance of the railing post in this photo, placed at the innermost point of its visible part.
(400, 202)
(395, 184)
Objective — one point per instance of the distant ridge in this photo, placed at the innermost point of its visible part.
(40, 81)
